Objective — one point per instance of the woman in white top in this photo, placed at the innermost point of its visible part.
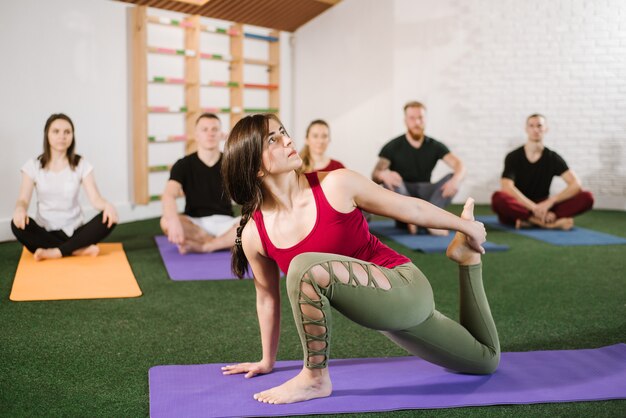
(58, 229)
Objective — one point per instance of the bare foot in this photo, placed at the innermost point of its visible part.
(209, 247)
(93, 250)
(47, 254)
(438, 232)
(459, 250)
(412, 228)
(191, 246)
(308, 384)
(520, 224)
(562, 223)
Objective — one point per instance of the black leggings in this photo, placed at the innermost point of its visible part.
(34, 236)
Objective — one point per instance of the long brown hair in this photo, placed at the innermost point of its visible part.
(241, 164)
(305, 153)
(72, 158)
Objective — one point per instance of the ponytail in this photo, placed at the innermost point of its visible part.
(241, 165)
(307, 163)
(239, 262)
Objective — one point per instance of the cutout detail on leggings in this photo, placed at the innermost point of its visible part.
(309, 322)
(322, 275)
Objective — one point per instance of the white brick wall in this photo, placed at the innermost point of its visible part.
(565, 59)
(482, 66)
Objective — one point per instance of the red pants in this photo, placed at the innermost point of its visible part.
(510, 210)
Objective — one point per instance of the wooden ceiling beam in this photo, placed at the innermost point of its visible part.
(286, 15)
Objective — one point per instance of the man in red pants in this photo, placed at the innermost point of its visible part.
(524, 198)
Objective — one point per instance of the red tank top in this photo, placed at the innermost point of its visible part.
(334, 233)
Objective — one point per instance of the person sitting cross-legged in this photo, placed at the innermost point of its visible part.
(208, 223)
(524, 198)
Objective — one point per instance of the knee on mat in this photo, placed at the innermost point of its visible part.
(492, 365)
(489, 365)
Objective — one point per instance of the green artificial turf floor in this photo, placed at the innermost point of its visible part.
(91, 357)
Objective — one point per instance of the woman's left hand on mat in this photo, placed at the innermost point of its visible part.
(250, 369)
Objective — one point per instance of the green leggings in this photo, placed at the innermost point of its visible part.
(399, 303)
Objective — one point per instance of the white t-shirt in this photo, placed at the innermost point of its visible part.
(58, 207)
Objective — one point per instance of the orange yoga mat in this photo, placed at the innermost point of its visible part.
(106, 276)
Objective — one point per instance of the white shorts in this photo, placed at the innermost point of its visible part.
(215, 225)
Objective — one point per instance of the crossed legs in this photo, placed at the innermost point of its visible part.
(56, 244)
(198, 240)
(561, 215)
(432, 193)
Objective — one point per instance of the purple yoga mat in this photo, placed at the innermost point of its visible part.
(387, 384)
(209, 266)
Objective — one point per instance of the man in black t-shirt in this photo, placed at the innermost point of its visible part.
(207, 223)
(406, 163)
(524, 199)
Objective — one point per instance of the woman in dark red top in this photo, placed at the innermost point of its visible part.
(311, 228)
(313, 154)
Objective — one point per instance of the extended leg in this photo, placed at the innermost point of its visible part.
(471, 346)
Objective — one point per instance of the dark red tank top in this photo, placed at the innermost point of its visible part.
(334, 233)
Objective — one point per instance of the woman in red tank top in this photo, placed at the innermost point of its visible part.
(310, 226)
(313, 154)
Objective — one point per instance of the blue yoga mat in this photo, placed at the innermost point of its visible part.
(573, 237)
(388, 384)
(425, 243)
